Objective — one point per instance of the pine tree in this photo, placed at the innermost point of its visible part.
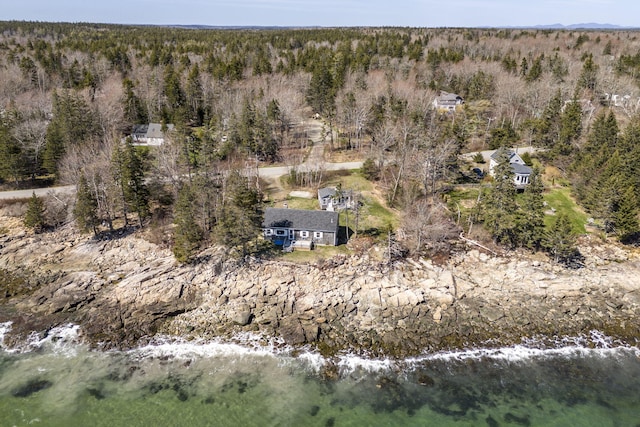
(536, 70)
(73, 124)
(589, 75)
(11, 155)
(128, 172)
(531, 212)
(195, 96)
(187, 234)
(499, 208)
(240, 217)
(34, 217)
(136, 190)
(134, 111)
(322, 93)
(118, 171)
(86, 207)
(626, 215)
(570, 128)
(548, 129)
(560, 241)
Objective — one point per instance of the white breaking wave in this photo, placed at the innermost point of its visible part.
(4, 329)
(64, 340)
(350, 364)
(596, 344)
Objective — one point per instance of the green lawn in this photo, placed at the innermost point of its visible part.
(353, 181)
(560, 200)
(302, 203)
(373, 218)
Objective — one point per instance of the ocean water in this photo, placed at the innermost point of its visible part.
(55, 380)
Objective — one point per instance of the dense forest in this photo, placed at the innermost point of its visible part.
(71, 93)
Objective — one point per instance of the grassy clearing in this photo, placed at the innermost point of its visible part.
(302, 203)
(353, 181)
(560, 199)
(465, 198)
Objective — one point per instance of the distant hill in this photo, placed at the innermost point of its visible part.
(584, 26)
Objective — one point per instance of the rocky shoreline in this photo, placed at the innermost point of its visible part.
(124, 290)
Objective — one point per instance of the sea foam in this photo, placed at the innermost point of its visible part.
(64, 340)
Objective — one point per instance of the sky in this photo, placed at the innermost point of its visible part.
(328, 13)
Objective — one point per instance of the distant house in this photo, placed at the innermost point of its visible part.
(150, 134)
(521, 171)
(285, 226)
(447, 101)
(330, 200)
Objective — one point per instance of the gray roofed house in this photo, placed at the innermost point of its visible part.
(447, 101)
(521, 171)
(329, 200)
(283, 226)
(150, 134)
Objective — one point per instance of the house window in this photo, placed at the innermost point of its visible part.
(280, 232)
(268, 232)
(304, 234)
(317, 234)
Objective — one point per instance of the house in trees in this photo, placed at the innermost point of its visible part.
(333, 199)
(447, 101)
(300, 228)
(521, 172)
(151, 134)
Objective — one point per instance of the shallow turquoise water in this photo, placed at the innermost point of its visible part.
(57, 382)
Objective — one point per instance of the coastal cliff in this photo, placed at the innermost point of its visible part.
(125, 289)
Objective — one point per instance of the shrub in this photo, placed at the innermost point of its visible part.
(370, 170)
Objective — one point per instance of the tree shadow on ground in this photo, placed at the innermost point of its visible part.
(118, 233)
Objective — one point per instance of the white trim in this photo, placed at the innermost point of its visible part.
(317, 234)
(304, 234)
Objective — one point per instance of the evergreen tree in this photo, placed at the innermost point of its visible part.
(12, 162)
(321, 94)
(599, 149)
(136, 190)
(548, 130)
(175, 106)
(128, 172)
(134, 111)
(195, 96)
(503, 136)
(34, 217)
(560, 241)
(499, 208)
(187, 234)
(536, 70)
(626, 215)
(86, 207)
(531, 212)
(240, 217)
(589, 75)
(570, 128)
(73, 123)
(524, 67)
(118, 172)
